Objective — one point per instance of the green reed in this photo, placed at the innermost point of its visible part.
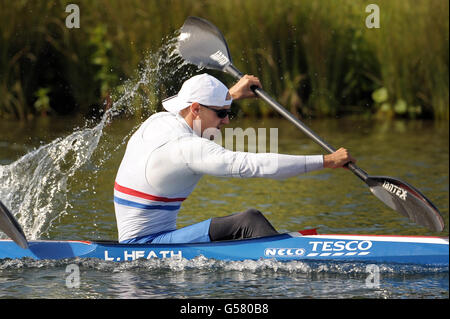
(316, 56)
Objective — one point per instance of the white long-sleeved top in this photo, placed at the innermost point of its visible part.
(165, 159)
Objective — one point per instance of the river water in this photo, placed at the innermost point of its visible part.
(57, 177)
(333, 201)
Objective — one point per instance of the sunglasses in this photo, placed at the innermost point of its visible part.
(223, 113)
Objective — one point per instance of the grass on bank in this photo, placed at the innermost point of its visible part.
(317, 56)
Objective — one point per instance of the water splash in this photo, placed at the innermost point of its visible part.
(36, 186)
(201, 263)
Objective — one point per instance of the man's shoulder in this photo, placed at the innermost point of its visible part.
(162, 115)
(163, 123)
(161, 119)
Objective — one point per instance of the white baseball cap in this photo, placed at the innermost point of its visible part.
(203, 89)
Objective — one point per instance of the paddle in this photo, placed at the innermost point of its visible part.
(202, 44)
(10, 226)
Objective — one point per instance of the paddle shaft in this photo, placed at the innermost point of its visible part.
(231, 69)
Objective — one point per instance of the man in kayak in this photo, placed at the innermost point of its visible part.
(166, 157)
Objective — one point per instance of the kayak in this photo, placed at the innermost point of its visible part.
(303, 246)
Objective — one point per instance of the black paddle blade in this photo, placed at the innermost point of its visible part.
(202, 44)
(10, 226)
(406, 200)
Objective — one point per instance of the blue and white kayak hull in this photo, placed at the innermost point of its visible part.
(432, 251)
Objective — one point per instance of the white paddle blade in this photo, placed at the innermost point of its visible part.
(406, 200)
(202, 44)
(10, 226)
